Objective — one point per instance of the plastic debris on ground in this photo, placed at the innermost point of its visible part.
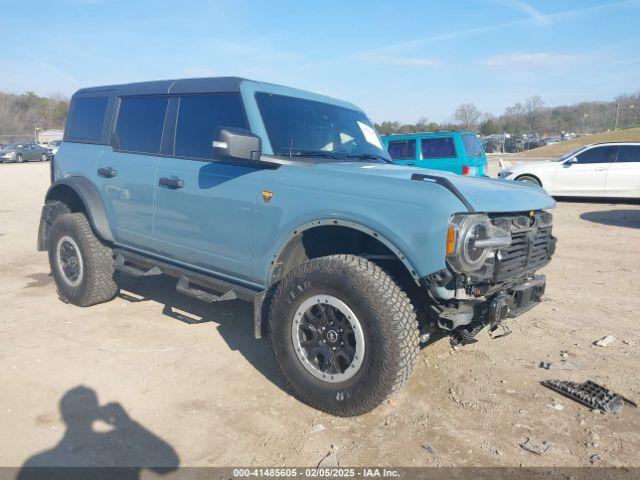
(590, 394)
(605, 341)
(536, 447)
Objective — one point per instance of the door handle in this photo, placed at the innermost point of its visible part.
(600, 169)
(107, 172)
(171, 182)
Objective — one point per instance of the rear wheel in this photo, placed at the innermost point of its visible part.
(82, 265)
(344, 334)
(529, 179)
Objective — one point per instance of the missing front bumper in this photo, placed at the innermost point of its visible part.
(466, 318)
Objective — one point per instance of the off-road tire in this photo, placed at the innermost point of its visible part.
(97, 283)
(529, 179)
(388, 322)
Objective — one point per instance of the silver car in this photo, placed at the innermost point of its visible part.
(23, 152)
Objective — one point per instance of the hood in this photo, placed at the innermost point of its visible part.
(483, 194)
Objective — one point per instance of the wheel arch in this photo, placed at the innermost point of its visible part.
(345, 236)
(536, 177)
(77, 194)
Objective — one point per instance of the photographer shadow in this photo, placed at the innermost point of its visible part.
(119, 448)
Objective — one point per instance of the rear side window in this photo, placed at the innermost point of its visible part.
(471, 145)
(441, 147)
(198, 118)
(140, 122)
(628, 154)
(87, 118)
(402, 149)
(597, 155)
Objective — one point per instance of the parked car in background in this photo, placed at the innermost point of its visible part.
(457, 152)
(53, 147)
(599, 170)
(23, 152)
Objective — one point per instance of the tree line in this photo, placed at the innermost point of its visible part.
(21, 114)
(532, 117)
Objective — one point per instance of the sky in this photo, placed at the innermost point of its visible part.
(398, 60)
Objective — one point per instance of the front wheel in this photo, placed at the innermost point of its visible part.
(344, 334)
(81, 264)
(43, 157)
(18, 158)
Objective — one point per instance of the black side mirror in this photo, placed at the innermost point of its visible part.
(237, 143)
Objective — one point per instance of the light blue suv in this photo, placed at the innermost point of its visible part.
(242, 189)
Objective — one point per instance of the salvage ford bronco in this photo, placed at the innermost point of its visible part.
(241, 189)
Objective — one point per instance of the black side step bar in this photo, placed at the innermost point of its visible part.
(134, 271)
(444, 182)
(142, 265)
(184, 288)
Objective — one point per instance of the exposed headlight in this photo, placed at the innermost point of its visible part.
(504, 173)
(471, 238)
(8, 155)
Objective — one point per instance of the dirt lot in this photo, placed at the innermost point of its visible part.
(186, 383)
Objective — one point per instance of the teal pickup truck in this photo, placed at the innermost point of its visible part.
(457, 152)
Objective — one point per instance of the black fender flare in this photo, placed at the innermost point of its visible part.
(88, 194)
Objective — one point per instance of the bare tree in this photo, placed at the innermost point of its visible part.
(468, 115)
(533, 111)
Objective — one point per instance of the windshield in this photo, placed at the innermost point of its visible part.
(300, 127)
(569, 155)
(472, 145)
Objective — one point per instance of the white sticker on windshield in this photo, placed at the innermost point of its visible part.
(370, 135)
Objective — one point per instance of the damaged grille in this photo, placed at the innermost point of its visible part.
(531, 245)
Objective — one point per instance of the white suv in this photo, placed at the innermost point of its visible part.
(599, 170)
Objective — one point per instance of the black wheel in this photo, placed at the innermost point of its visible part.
(529, 179)
(344, 334)
(18, 158)
(82, 265)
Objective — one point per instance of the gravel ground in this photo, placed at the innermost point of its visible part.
(155, 377)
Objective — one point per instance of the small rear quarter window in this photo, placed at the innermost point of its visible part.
(87, 118)
(472, 145)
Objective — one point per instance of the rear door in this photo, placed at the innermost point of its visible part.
(623, 176)
(402, 150)
(586, 177)
(440, 153)
(126, 170)
(205, 206)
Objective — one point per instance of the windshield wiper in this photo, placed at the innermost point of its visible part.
(315, 153)
(369, 156)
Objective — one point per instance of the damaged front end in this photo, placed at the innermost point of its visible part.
(490, 274)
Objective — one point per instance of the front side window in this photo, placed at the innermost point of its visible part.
(140, 122)
(87, 118)
(301, 127)
(402, 149)
(628, 154)
(472, 145)
(597, 155)
(439, 147)
(199, 116)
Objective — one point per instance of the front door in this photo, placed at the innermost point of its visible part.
(125, 172)
(587, 176)
(205, 207)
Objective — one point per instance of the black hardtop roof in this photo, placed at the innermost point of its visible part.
(185, 85)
